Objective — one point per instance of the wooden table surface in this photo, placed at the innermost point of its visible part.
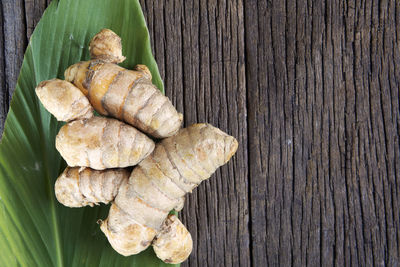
(311, 91)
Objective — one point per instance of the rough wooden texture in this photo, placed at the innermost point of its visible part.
(311, 91)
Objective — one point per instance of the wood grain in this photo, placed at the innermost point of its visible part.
(311, 91)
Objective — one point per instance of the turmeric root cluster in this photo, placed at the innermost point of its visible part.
(98, 150)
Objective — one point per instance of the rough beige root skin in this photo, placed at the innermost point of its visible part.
(180, 204)
(65, 101)
(101, 143)
(142, 199)
(176, 166)
(145, 70)
(106, 46)
(125, 235)
(79, 187)
(173, 243)
(127, 95)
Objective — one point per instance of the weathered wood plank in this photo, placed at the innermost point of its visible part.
(4, 93)
(324, 117)
(33, 12)
(14, 42)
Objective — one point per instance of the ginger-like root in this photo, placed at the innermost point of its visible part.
(180, 204)
(144, 69)
(79, 187)
(176, 166)
(106, 46)
(65, 101)
(125, 235)
(101, 143)
(94, 142)
(138, 216)
(173, 243)
(127, 95)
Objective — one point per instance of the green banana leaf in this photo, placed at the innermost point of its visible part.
(35, 230)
